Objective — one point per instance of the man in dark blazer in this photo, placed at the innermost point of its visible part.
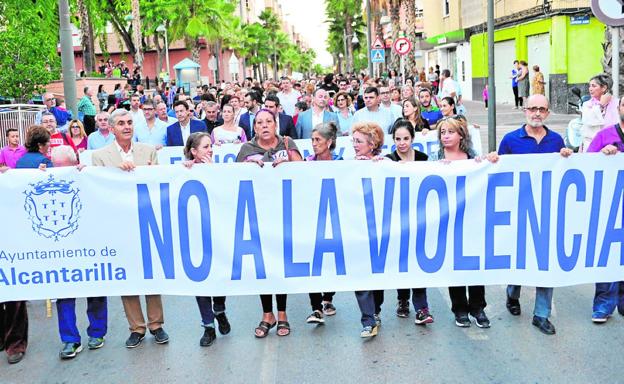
(285, 124)
(177, 133)
(252, 103)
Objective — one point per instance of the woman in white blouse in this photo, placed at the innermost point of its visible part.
(229, 132)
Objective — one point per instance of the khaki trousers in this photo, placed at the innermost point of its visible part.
(134, 313)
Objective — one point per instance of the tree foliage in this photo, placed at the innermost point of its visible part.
(28, 47)
(345, 19)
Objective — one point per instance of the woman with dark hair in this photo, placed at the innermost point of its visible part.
(102, 97)
(37, 144)
(323, 144)
(198, 150)
(344, 111)
(268, 146)
(599, 112)
(411, 113)
(403, 135)
(456, 144)
(447, 106)
(229, 131)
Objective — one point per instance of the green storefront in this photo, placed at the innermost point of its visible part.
(570, 47)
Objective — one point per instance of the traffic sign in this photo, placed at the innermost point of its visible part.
(377, 44)
(378, 56)
(402, 46)
(610, 12)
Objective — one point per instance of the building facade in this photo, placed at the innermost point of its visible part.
(561, 37)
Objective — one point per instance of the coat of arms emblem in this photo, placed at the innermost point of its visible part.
(53, 207)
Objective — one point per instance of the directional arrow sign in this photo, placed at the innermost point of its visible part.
(402, 46)
(378, 56)
(610, 12)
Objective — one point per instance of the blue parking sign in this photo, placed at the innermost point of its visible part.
(378, 56)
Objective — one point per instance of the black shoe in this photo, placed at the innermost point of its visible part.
(403, 309)
(513, 306)
(462, 320)
(134, 340)
(481, 320)
(160, 335)
(544, 325)
(15, 358)
(209, 337)
(224, 324)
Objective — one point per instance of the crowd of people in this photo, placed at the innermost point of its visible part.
(265, 118)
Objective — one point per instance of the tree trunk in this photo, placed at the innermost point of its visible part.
(87, 39)
(160, 51)
(395, 58)
(410, 12)
(195, 49)
(136, 34)
(120, 27)
(349, 36)
(608, 53)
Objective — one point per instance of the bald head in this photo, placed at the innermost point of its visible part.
(536, 111)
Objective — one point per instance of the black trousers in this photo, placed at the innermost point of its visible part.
(267, 303)
(14, 326)
(379, 299)
(473, 303)
(516, 97)
(317, 298)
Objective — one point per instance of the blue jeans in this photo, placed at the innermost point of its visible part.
(543, 299)
(366, 302)
(608, 296)
(207, 310)
(97, 312)
(419, 297)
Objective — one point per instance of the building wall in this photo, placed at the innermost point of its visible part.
(435, 23)
(575, 56)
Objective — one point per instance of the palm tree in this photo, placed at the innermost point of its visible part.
(607, 59)
(345, 20)
(87, 38)
(395, 9)
(136, 33)
(271, 24)
(410, 13)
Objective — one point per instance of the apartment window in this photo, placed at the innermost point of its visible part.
(446, 7)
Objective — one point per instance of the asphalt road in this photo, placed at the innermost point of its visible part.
(511, 351)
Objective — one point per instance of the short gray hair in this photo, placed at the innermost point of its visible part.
(116, 113)
(63, 151)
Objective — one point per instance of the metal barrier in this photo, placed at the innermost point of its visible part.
(20, 116)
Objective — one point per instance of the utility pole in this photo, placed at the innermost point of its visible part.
(491, 82)
(67, 57)
(369, 41)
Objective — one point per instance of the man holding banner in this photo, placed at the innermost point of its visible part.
(533, 137)
(127, 155)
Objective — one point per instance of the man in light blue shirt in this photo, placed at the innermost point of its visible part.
(386, 103)
(102, 136)
(372, 112)
(150, 130)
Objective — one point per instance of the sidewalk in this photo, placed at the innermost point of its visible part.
(509, 119)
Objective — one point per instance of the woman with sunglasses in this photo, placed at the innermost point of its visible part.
(344, 111)
(403, 135)
(77, 135)
(456, 144)
(268, 146)
(368, 138)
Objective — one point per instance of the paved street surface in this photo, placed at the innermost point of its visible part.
(512, 351)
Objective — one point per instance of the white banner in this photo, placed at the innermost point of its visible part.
(233, 229)
(227, 153)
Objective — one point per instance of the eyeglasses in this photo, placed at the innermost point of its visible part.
(75, 126)
(50, 99)
(536, 109)
(341, 99)
(148, 109)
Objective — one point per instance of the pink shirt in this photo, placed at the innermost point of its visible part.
(9, 156)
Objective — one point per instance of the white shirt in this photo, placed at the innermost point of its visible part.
(448, 88)
(125, 156)
(288, 101)
(137, 117)
(186, 131)
(317, 119)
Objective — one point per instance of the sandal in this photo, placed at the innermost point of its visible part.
(264, 328)
(283, 325)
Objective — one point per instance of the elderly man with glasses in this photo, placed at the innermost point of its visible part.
(61, 116)
(533, 137)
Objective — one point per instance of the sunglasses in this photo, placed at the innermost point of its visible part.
(536, 109)
(75, 126)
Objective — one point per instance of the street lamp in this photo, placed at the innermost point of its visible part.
(162, 29)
